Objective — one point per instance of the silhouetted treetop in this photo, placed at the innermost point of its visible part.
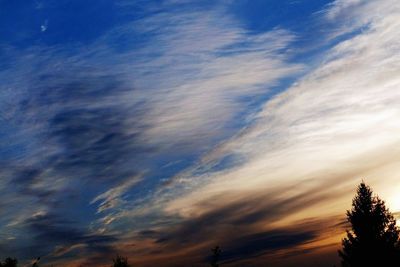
(374, 237)
(120, 261)
(216, 253)
(9, 262)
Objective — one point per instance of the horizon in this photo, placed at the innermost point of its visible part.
(158, 130)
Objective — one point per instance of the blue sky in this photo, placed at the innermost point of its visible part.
(150, 127)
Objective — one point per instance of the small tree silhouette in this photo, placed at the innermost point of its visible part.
(374, 238)
(36, 262)
(9, 262)
(120, 261)
(216, 253)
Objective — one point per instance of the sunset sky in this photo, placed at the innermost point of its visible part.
(160, 129)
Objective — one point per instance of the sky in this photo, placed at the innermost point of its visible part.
(160, 129)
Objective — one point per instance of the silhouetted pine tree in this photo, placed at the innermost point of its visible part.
(9, 262)
(120, 262)
(216, 252)
(374, 238)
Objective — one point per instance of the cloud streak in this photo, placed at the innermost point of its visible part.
(336, 125)
(183, 119)
(83, 132)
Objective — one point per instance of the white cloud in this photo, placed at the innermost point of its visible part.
(339, 122)
(112, 198)
(44, 26)
(193, 77)
(353, 15)
(206, 63)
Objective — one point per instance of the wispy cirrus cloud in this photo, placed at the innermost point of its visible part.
(183, 119)
(206, 65)
(112, 197)
(78, 130)
(333, 127)
(351, 92)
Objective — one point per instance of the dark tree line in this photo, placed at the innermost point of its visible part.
(12, 262)
(118, 261)
(9, 262)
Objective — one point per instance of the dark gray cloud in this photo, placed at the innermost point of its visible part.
(241, 246)
(243, 229)
(253, 245)
(52, 230)
(96, 134)
(82, 137)
(245, 212)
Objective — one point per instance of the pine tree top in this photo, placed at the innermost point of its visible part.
(374, 236)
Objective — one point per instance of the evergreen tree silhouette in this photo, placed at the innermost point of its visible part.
(120, 262)
(216, 253)
(374, 237)
(9, 262)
